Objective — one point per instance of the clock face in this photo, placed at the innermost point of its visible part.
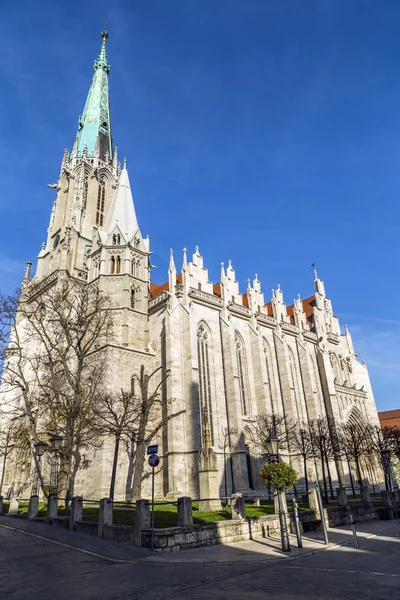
(56, 241)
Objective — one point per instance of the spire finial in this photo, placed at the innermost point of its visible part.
(222, 271)
(184, 257)
(171, 260)
(124, 162)
(314, 267)
(101, 60)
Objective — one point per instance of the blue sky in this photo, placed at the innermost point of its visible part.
(266, 131)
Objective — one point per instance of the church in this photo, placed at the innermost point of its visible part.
(231, 354)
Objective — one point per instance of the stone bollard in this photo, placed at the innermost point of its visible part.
(276, 503)
(105, 515)
(33, 507)
(76, 511)
(386, 499)
(341, 496)
(142, 521)
(1, 504)
(313, 503)
(238, 507)
(52, 507)
(185, 514)
(14, 506)
(365, 497)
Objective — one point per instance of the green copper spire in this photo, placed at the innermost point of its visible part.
(96, 119)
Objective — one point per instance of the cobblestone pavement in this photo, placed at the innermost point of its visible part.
(38, 561)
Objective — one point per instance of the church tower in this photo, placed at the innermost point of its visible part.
(94, 237)
(87, 181)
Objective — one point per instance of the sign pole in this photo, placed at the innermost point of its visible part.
(152, 508)
(321, 510)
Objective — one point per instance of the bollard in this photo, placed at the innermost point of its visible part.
(52, 507)
(142, 521)
(105, 515)
(1, 504)
(76, 512)
(322, 513)
(353, 527)
(185, 514)
(365, 497)
(238, 507)
(297, 524)
(33, 508)
(14, 506)
(341, 496)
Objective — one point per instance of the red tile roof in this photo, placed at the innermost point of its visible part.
(245, 300)
(390, 418)
(217, 289)
(156, 290)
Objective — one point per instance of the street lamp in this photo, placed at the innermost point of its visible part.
(272, 445)
(56, 442)
(40, 449)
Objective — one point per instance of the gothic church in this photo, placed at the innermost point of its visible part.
(231, 355)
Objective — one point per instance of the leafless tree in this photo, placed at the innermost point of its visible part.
(54, 367)
(118, 417)
(153, 415)
(276, 425)
(302, 443)
(354, 441)
(324, 444)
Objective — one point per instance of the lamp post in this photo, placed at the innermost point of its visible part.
(272, 444)
(40, 449)
(56, 442)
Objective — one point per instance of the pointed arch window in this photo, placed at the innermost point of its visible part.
(243, 374)
(118, 265)
(203, 353)
(101, 198)
(268, 369)
(133, 297)
(112, 264)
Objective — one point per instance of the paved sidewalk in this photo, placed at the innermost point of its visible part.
(253, 551)
(267, 549)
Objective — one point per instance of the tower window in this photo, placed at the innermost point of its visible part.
(132, 298)
(118, 265)
(112, 266)
(243, 374)
(203, 340)
(101, 197)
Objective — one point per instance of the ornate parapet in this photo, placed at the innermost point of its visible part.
(289, 328)
(350, 391)
(158, 300)
(334, 338)
(266, 319)
(237, 309)
(206, 298)
(311, 336)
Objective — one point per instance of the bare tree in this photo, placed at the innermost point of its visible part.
(276, 425)
(324, 446)
(153, 416)
(119, 417)
(301, 443)
(54, 368)
(355, 444)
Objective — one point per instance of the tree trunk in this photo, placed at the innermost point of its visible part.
(305, 473)
(114, 467)
(138, 472)
(329, 476)
(357, 461)
(351, 478)
(324, 478)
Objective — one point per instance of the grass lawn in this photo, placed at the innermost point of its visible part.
(166, 513)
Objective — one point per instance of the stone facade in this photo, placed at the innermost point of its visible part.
(230, 355)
